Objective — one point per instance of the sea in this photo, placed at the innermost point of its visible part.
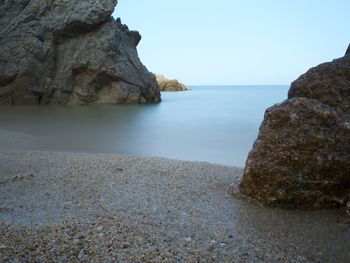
(216, 124)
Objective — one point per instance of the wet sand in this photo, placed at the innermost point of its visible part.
(73, 207)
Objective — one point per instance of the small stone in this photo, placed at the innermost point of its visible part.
(126, 245)
(211, 247)
(81, 255)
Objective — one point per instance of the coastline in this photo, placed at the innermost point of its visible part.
(93, 168)
(104, 207)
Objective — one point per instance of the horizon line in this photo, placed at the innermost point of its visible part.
(228, 85)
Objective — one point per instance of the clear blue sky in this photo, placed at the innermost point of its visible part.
(237, 41)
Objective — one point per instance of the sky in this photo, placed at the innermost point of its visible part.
(237, 42)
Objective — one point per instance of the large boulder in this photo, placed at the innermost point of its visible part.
(166, 84)
(302, 155)
(69, 52)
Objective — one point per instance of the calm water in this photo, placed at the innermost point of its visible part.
(214, 124)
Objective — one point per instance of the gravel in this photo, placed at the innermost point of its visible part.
(75, 207)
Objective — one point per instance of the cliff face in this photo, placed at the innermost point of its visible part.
(69, 52)
(302, 155)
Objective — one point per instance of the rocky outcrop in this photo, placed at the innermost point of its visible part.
(69, 52)
(302, 155)
(169, 84)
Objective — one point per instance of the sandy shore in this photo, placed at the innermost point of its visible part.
(71, 207)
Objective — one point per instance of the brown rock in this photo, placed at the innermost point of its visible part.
(302, 155)
(69, 52)
(169, 84)
(328, 83)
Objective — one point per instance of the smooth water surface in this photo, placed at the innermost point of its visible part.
(214, 124)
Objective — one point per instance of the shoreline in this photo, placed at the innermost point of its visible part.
(11, 140)
(105, 207)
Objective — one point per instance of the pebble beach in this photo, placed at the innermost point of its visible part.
(83, 207)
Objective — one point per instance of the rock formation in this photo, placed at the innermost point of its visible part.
(69, 52)
(302, 155)
(169, 84)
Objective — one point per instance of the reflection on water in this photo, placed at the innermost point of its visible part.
(214, 124)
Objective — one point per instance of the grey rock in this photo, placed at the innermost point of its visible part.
(70, 52)
(348, 51)
(8, 74)
(302, 155)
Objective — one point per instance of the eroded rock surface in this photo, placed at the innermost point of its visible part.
(302, 155)
(166, 84)
(69, 52)
(328, 83)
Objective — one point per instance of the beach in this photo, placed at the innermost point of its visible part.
(198, 144)
(58, 206)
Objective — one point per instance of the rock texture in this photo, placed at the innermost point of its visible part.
(302, 155)
(69, 52)
(169, 84)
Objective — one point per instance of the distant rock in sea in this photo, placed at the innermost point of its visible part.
(302, 155)
(70, 52)
(169, 84)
